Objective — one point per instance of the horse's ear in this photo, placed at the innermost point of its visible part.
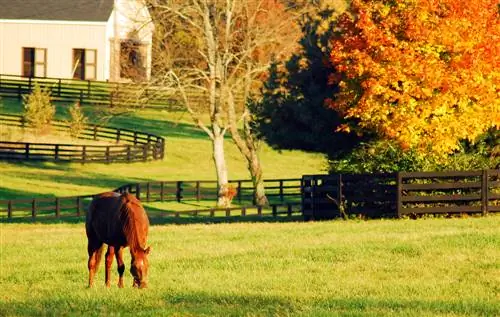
(147, 250)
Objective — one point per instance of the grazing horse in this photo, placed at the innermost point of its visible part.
(118, 221)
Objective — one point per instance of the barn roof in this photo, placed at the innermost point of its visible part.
(56, 10)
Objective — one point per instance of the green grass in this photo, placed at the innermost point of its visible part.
(188, 157)
(427, 267)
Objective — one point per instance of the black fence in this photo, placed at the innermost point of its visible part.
(314, 196)
(101, 93)
(284, 196)
(134, 146)
(400, 194)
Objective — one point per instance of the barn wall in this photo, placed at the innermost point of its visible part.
(58, 37)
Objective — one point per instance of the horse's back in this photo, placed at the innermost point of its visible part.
(104, 221)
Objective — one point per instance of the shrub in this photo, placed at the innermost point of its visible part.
(78, 120)
(38, 109)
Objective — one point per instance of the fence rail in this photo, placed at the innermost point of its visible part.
(400, 194)
(100, 93)
(284, 195)
(136, 146)
(316, 196)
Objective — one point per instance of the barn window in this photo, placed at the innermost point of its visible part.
(34, 62)
(84, 64)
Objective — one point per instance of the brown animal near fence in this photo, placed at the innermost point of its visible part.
(120, 221)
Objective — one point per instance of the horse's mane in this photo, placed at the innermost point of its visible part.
(136, 222)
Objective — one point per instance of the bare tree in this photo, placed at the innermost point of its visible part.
(216, 54)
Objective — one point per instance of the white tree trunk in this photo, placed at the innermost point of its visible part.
(221, 169)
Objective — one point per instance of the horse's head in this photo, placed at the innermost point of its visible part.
(139, 267)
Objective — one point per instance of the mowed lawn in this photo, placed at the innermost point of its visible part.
(426, 267)
(188, 157)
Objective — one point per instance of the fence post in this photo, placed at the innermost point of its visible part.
(198, 193)
(78, 206)
(148, 190)
(9, 209)
(57, 152)
(340, 198)
(399, 193)
(33, 208)
(289, 209)
(59, 88)
(145, 152)
(84, 153)
(58, 208)
(108, 156)
(281, 191)
(27, 151)
(118, 132)
(162, 191)
(178, 192)
(81, 96)
(239, 191)
(95, 132)
(275, 211)
(128, 153)
(138, 191)
(484, 192)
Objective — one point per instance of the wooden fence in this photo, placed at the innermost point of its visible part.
(101, 93)
(316, 196)
(135, 146)
(400, 194)
(277, 190)
(284, 195)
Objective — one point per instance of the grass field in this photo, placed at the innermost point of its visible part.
(188, 157)
(427, 267)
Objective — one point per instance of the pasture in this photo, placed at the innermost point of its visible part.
(426, 267)
(187, 157)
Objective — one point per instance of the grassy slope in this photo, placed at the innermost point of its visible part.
(432, 267)
(188, 157)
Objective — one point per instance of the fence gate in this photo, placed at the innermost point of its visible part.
(321, 196)
(335, 195)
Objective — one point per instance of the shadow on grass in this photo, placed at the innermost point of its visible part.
(209, 304)
(69, 176)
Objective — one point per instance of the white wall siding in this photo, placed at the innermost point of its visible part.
(59, 38)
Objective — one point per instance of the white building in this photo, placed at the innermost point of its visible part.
(81, 39)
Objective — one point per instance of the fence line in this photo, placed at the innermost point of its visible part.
(138, 146)
(319, 196)
(172, 191)
(100, 92)
(400, 194)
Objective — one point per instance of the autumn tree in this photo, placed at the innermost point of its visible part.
(425, 73)
(216, 53)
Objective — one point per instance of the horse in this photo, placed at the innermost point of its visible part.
(118, 221)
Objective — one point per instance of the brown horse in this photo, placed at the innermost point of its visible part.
(118, 221)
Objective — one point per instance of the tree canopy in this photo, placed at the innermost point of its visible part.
(425, 73)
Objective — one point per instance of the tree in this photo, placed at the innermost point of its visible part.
(292, 113)
(216, 53)
(38, 109)
(422, 72)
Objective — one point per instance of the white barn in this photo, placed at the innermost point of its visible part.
(76, 39)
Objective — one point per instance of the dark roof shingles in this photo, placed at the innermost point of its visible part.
(56, 10)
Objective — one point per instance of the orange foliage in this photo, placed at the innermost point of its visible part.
(423, 72)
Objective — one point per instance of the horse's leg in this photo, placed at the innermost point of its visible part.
(121, 265)
(94, 249)
(109, 261)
